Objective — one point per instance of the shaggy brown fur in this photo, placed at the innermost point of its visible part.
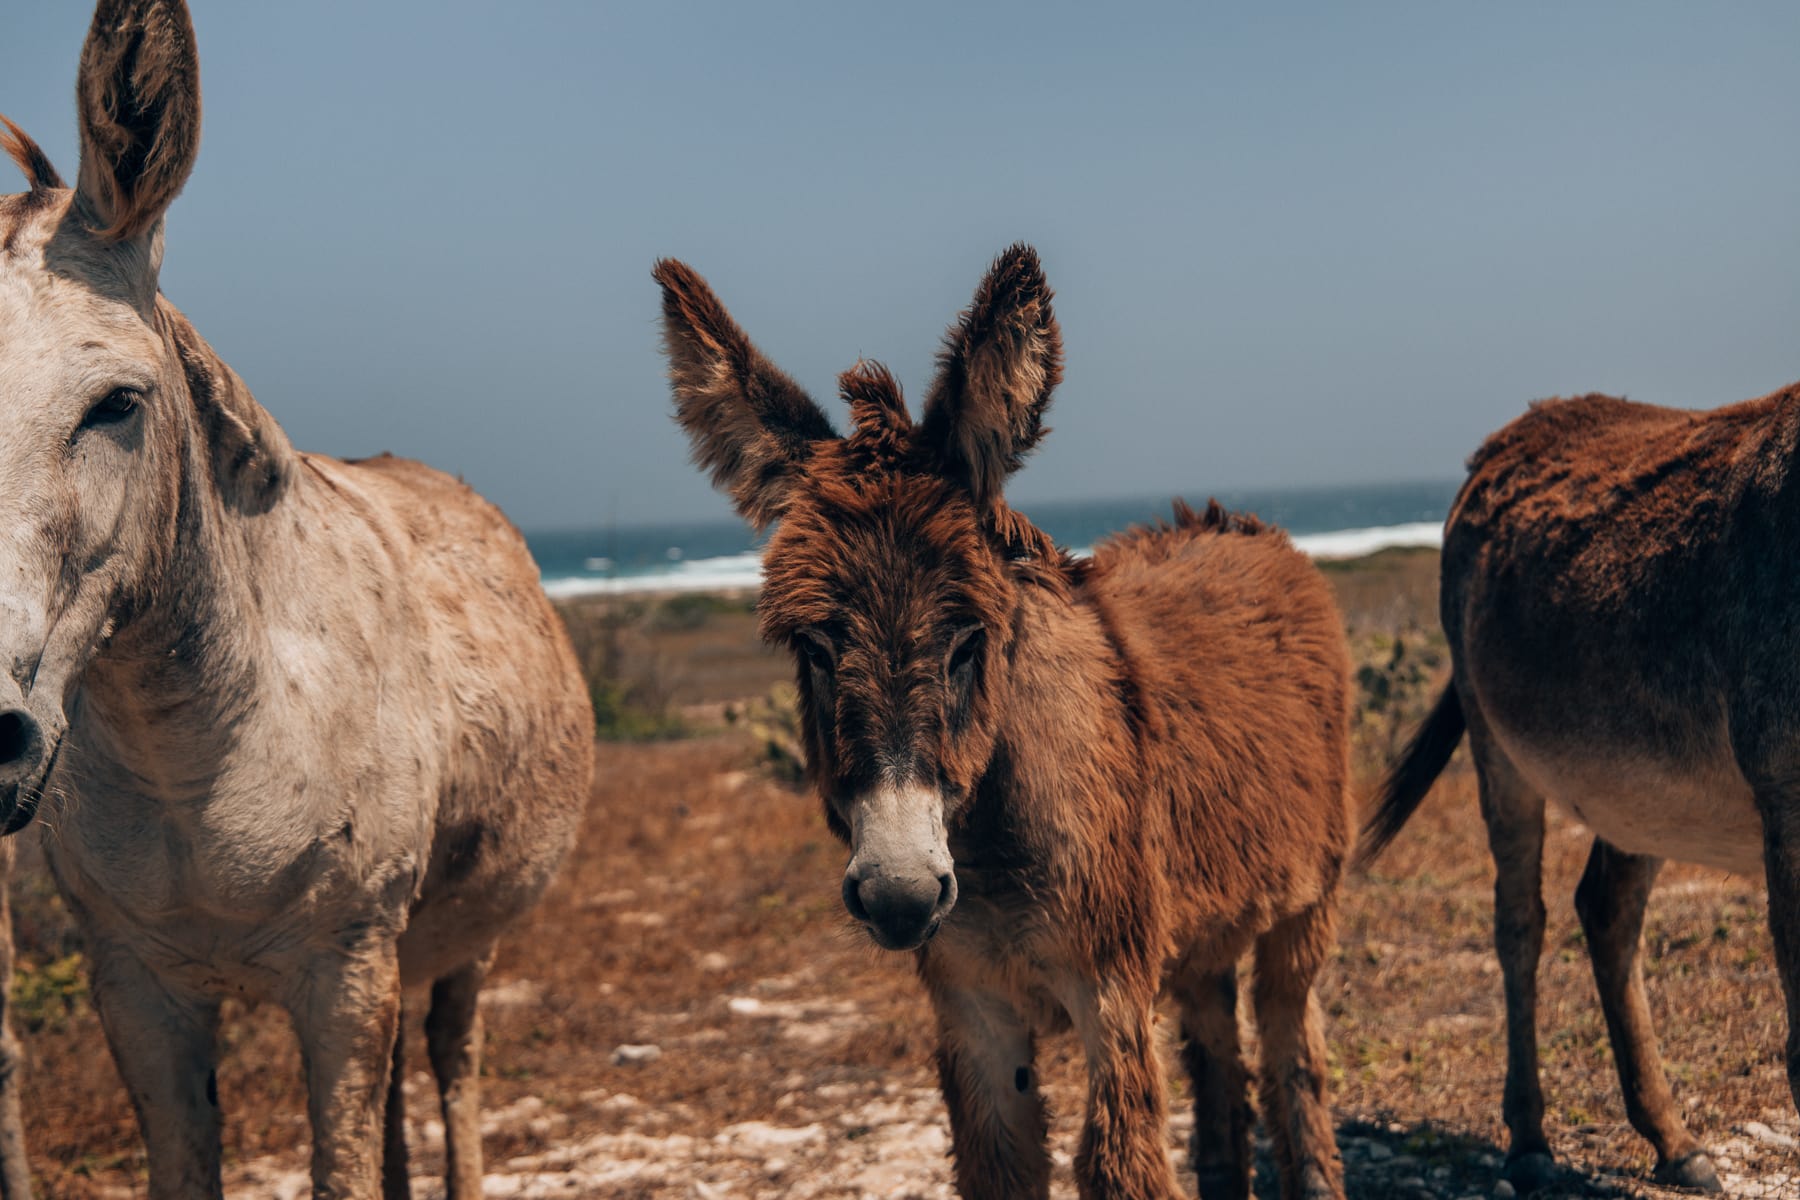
(1136, 765)
(1618, 593)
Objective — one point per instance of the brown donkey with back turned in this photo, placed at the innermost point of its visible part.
(1620, 601)
(1065, 785)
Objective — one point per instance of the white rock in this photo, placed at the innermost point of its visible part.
(1768, 1136)
(633, 1055)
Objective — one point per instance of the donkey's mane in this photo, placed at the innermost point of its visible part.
(31, 159)
(1155, 539)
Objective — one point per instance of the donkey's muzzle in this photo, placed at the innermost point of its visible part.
(901, 912)
(22, 768)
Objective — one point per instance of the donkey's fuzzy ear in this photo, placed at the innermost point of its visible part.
(749, 424)
(999, 364)
(138, 99)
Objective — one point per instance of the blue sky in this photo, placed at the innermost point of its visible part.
(1291, 243)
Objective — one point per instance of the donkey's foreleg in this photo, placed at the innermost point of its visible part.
(15, 1170)
(1223, 1118)
(1295, 1108)
(1514, 814)
(1122, 1155)
(1611, 899)
(396, 1171)
(989, 1078)
(346, 1012)
(162, 1043)
(453, 1035)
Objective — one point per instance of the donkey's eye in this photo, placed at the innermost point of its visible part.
(112, 408)
(963, 654)
(816, 655)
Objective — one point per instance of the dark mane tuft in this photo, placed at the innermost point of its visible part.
(1216, 519)
(30, 158)
(883, 427)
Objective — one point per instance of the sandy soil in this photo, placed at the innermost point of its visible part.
(690, 1014)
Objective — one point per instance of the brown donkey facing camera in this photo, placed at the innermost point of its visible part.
(1065, 784)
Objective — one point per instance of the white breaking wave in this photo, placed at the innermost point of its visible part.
(741, 572)
(1354, 543)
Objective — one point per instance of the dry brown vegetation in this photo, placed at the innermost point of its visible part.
(701, 916)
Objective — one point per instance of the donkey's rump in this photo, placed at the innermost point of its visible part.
(1594, 567)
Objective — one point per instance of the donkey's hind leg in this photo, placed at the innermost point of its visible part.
(986, 1068)
(1514, 814)
(1223, 1118)
(453, 1036)
(1294, 1104)
(1780, 807)
(1611, 899)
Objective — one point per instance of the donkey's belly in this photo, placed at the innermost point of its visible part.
(1700, 812)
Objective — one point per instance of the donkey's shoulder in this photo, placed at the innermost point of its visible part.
(443, 524)
(1207, 564)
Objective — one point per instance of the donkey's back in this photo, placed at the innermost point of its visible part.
(1237, 665)
(1616, 596)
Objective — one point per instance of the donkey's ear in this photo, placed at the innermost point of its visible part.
(1000, 361)
(138, 99)
(748, 423)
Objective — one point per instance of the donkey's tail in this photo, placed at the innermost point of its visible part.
(1407, 781)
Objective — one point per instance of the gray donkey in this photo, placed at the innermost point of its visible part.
(299, 730)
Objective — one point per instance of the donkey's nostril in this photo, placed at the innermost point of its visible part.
(19, 738)
(853, 898)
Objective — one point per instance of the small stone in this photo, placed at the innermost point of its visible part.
(714, 962)
(1504, 1191)
(1380, 1152)
(1768, 1136)
(630, 1055)
(744, 1006)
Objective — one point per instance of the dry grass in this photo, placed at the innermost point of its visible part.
(701, 879)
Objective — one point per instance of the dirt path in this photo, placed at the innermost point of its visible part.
(829, 1138)
(791, 1060)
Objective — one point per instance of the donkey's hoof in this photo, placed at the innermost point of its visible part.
(1690, 1171)
(1530, 1171)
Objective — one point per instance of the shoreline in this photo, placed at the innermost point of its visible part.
(740, 575)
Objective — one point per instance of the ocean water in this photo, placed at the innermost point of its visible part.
(1327, 522)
